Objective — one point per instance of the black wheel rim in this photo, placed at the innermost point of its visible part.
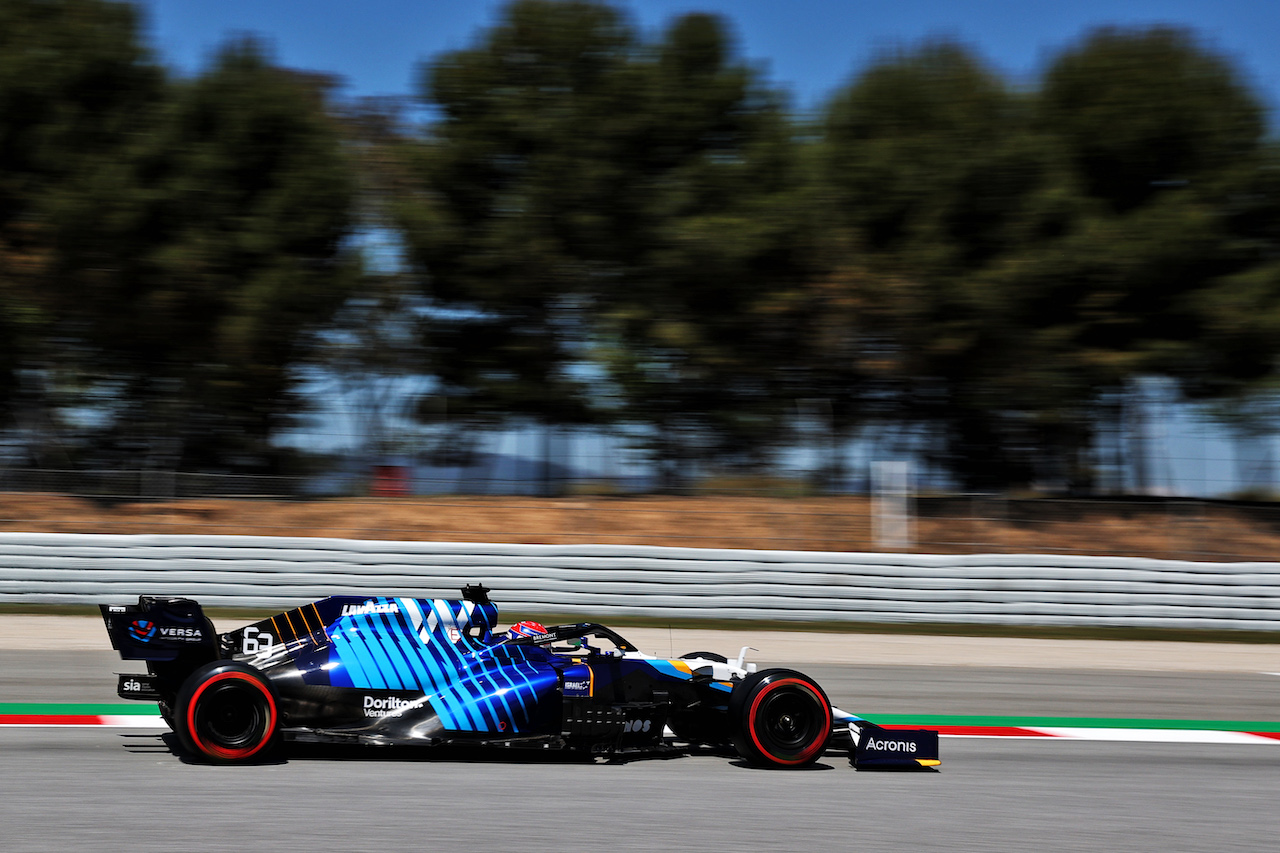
(231, 715)
(788, 721)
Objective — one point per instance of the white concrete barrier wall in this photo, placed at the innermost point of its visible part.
(610, 580)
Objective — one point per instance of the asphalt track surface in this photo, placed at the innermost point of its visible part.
(125, 789)
(107, 790)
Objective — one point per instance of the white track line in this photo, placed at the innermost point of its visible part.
(1156, 735)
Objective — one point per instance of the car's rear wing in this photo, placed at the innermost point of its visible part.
(160, 629)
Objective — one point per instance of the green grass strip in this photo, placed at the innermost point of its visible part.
(78, 709)
(927, 720)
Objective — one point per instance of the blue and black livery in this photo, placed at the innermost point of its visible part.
(392, 670)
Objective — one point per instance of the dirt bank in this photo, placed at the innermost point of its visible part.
(1171, 530)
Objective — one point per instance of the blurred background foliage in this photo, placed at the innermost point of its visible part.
(599, 230)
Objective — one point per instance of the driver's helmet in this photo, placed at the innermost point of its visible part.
(525, 629)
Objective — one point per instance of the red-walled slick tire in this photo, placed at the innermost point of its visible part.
(780, 718)
(227, 712)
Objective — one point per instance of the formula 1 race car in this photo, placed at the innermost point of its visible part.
(434, 672)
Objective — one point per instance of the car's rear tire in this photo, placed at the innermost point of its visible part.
(779, 718)
(228, 713)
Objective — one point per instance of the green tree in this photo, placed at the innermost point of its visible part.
(1034, 255)
(507, 203)
(77, 89)
(936, 181)
(699, 328)
(1141, 112)
(597, 220)
(1167, 143)
(199, 287)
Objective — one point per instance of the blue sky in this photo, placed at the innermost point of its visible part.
(809, 47)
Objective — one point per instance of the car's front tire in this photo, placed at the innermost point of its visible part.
(227, 712)
(779, 718)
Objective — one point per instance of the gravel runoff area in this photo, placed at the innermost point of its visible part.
(22, 632)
